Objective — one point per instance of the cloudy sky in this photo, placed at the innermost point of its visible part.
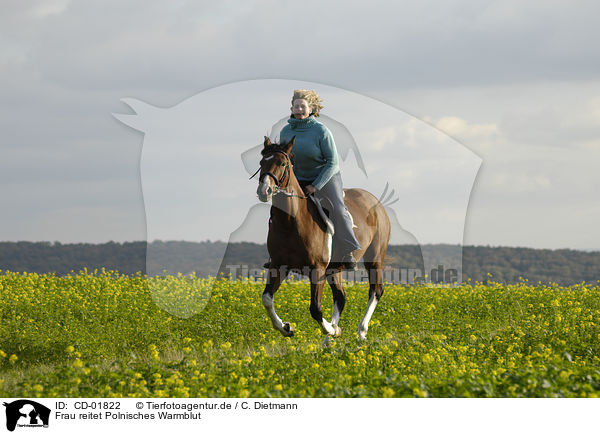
(515, 83)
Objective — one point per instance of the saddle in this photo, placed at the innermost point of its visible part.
(324, 213)
(336, 253)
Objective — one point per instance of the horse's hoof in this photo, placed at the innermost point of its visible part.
(289, 332)
(338, 331)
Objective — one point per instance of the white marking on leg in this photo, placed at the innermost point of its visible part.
(327, 327)
(364, 324)
(335, 315)
(267, 300)
(335, 319)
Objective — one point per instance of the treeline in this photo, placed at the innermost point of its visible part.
(504, 264)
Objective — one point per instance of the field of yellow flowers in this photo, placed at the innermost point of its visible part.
(101, 334)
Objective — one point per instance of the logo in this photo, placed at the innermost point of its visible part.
(26, 413)
(194, 185)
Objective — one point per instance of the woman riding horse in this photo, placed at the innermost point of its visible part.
(317, 169)
(299, 239)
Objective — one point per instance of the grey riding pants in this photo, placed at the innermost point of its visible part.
(344, 239)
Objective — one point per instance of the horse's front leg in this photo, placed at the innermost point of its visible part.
(317, 282)
(274, 278)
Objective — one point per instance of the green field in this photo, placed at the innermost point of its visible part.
(101, 335)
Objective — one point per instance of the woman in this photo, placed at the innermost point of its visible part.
(316, 166)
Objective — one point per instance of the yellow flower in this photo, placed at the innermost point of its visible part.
(388, 392)
(419, 393)
(70, 349)
(13, 358)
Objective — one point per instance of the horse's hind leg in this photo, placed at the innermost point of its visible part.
(274, 278)
(339, 298)
(375, 292)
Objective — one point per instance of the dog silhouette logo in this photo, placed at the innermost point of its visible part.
(195, 187)
(26, 413)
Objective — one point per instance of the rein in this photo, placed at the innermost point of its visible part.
(279, 182)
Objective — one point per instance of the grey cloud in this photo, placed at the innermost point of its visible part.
(142, 45)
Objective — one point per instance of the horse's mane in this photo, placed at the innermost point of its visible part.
(274, 147)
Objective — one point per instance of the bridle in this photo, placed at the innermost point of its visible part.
(279, 188)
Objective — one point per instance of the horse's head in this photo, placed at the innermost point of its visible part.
(275, 168)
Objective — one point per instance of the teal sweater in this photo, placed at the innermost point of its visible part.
(315, 155)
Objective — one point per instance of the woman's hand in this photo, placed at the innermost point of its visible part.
(309, 189)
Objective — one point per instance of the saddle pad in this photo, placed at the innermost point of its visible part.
(328, 222)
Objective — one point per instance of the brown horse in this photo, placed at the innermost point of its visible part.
(298, 240)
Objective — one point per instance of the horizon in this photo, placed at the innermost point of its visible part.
(590, 250)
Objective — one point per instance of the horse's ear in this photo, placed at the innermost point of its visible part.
(267, 142)
(289, 145)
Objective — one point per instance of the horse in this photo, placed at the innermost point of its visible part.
(298, 240)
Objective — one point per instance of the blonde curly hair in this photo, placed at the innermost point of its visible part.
(312, 98)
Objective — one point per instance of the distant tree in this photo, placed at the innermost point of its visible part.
(505, 264)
